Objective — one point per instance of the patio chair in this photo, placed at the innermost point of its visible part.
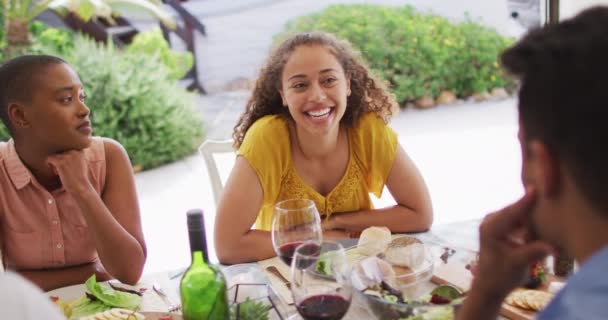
(207, 150)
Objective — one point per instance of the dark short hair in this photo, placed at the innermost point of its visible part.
(17, 80)
(563, 98)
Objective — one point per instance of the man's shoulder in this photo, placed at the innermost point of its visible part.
(585, 294)
(584, 302)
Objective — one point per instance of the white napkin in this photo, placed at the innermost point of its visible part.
(275, 283)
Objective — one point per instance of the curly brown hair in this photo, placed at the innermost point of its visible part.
(368, 93)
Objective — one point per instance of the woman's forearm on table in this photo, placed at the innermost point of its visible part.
(254, 245)
(397, 218)
(50, 279)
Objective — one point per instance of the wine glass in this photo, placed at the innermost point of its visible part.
(320, 281)
(295, 221)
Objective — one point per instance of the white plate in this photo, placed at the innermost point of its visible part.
(150, 300)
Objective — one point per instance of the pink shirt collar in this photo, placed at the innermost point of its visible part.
(17, 171)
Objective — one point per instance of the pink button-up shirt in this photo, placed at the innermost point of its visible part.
(41, 229)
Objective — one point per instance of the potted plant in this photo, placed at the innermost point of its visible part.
(18, 14)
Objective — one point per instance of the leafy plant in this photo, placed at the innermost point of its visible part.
(18, 14)
(249, 310)
(134, 100)
(88, 9)
(4, 134)
(152, 43)
(419, 54)
(51, 40)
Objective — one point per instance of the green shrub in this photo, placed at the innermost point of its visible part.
(133, 99)
(4, 135)
(418, 54)
(152, 43)
(50, 40)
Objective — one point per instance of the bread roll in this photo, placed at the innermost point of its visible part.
(406, 252)
(374, 240)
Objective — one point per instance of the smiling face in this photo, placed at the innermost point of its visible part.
(315, 88)
(56, 116)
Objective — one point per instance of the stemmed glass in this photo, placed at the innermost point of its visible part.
(294, 222)
(320, 281)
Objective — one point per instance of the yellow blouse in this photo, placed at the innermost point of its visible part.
(267, 148)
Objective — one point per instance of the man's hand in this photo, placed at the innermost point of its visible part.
(72, 169)
(506, 248)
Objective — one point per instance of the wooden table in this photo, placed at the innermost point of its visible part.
(464, 234)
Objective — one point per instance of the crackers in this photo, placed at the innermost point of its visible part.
(534, 300)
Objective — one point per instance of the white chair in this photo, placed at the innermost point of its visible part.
(207, 150)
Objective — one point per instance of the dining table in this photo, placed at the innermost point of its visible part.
(251, 281)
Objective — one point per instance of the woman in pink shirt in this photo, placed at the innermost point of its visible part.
(68, 204)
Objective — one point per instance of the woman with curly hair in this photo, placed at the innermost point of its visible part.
(316, 128)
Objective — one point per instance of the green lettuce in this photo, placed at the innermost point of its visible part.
(111, 297)
(438, 313)
(83, 306)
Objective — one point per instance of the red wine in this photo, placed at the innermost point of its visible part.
(323, 307)
(287, 250)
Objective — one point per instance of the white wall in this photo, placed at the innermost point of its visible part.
(569, 8)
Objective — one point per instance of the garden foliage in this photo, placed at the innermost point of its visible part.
(419, 54)
(133, 95)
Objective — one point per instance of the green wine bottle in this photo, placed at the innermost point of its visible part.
(203, 287)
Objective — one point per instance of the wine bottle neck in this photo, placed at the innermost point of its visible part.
(199, 258)
(198, 245)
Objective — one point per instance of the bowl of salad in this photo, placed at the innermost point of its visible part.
(388, 305)
(396, 284)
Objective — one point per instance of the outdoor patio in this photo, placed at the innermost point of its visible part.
(468, 154)
(465, 151)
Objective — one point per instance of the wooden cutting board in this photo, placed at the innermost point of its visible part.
(455, 273)
(516, 313)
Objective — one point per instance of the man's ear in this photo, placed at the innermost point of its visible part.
(17, 115)
(545, 167)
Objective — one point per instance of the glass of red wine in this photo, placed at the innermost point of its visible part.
(320, 281)
(294, 222)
